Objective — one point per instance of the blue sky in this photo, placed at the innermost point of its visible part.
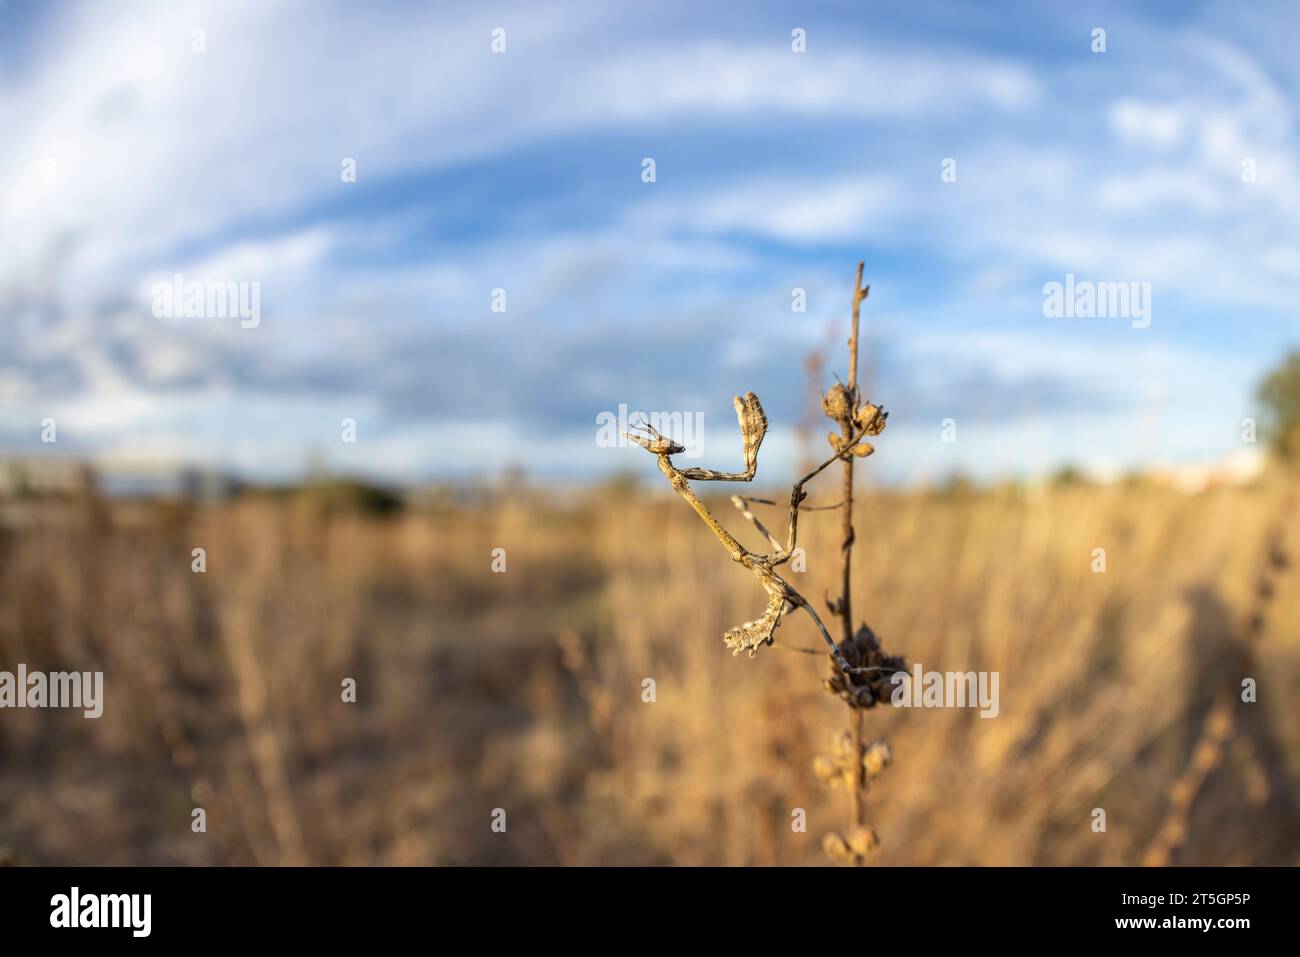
(130, 157)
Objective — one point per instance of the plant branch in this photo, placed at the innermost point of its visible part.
(856, 420)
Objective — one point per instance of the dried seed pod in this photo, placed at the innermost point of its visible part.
(825, 770)
(870, 418)
(837, 403)
(842, 744)
(878, 756)
(836, 848)
(863, 841)
(864, 689)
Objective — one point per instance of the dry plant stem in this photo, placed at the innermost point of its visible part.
(846, 598)
(856, 420)
(1205, 758)
(858, 793)
(845, 604)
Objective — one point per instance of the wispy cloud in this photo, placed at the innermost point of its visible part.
(137, 158)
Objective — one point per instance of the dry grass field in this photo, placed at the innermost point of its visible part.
(522, 690)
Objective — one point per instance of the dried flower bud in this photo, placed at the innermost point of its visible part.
(836, 440)
(878, 756)
(863, 449)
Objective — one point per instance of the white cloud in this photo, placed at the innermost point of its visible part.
(134, 156)
(1151, 124)
(792, 209)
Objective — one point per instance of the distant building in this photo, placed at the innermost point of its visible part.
(1241, 468)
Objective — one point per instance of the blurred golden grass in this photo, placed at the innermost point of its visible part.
(522, 690)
